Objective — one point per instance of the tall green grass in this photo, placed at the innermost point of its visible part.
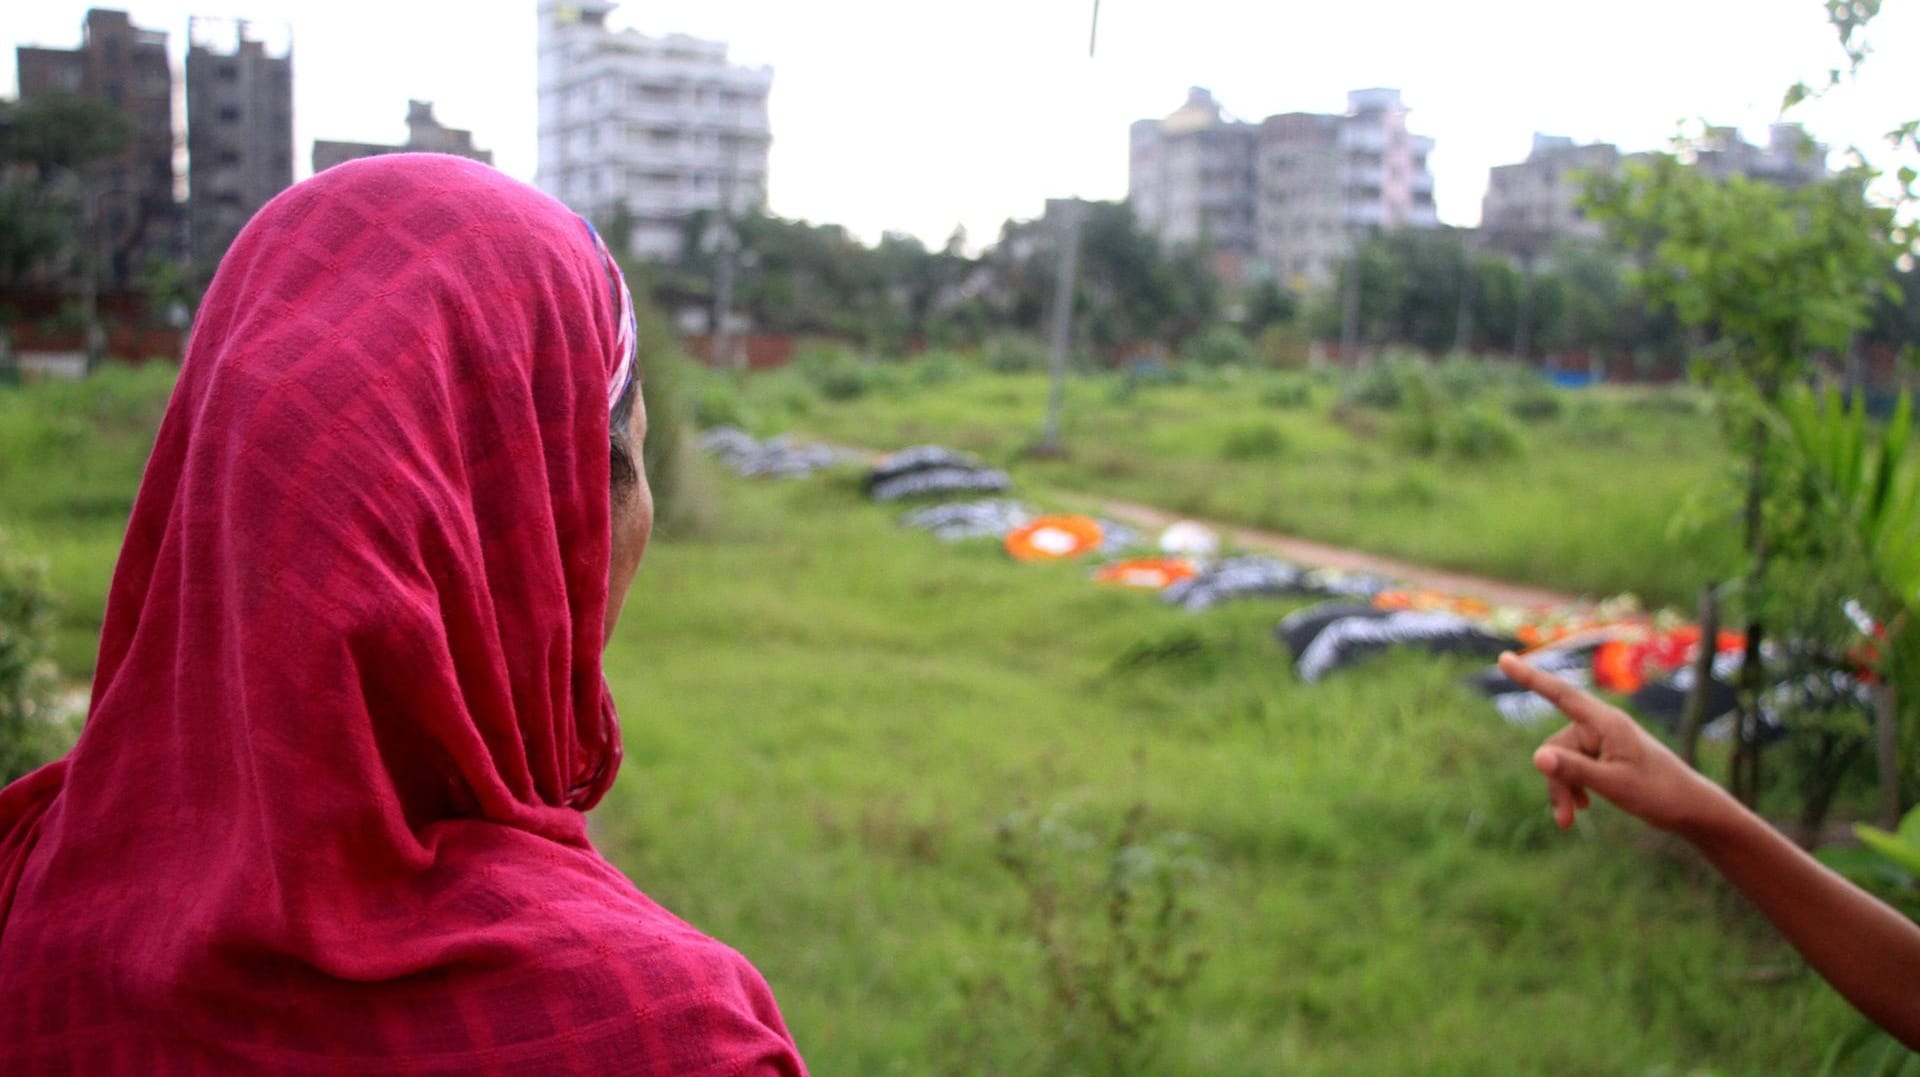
(71, 454)
(829, 720)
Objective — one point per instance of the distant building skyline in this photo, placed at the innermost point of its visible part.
(1286, 197)
(1532, 204)
(425, 134)
(963, 150)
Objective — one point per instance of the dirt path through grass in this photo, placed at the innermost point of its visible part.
(1308, 553)
(1321, 555)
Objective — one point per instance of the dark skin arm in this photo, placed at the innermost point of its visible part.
(1869, 952)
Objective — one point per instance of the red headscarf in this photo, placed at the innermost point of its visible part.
(326, 812)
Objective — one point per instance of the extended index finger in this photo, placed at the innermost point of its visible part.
(1572, 701)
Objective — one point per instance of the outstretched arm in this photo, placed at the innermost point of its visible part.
(1866, 950)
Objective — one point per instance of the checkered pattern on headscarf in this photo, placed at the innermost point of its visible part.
(326, 812)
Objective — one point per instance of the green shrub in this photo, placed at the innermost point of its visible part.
(1667, 400)
(29, 733)
(1287, 393)
(1253, 441)
(1389, 383)
(1417, 431)
(834, 372)
(683, 495)
(1011, 353)
(939, 367)
(1219, 345)
(1286, 345)
(1535, 405)
(1464, 377)
(1107, 930)
(1589, 423)
(1477, 433)
(1413, 488)
(717, 401)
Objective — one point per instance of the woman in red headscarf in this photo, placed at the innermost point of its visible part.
(326, 814)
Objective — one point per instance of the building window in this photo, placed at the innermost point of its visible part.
(229, 114)
(228, 72)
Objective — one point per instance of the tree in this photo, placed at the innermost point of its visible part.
(1773, 275)
(49, 146)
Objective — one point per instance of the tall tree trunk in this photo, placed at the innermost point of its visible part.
(1350, 310)
(1463, 316)
(1746, 750)
(1886, 727)
(1522, 323)
(1696, 712)
(1830, 764)
(1063, 289)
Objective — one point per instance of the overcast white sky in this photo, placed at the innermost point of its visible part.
(915, 116)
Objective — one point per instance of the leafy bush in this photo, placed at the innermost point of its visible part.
(1108, 919)
(1287, 393)
(1253, 441)
(1389, 383)
(1418, 432)
(834, 372)
(1287, 345)
(1013, 354)
(1591, 424)
(683, 497)
(1537, 404)
(939, 367)
(1220, 345)
(717, 401)
(1477, 433)
(1413, 489)
(29, 735)
(1463, 377)
(1887, 863)
(1667, 400)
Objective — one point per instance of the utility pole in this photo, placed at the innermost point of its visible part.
(1068, 242)
(95, 336)
(1463, 318)
(1066, 274)
(726, 242)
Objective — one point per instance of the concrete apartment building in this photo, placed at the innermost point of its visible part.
(425, 134)
(1285, 197)
(1537, 201)
(126, 67)
(1533, 204)
(666, 125)
(239, 131)
(1191, 176)
(1790, 157)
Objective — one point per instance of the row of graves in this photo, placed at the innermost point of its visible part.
(1613, 646)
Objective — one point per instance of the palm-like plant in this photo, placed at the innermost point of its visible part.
(1873, 487)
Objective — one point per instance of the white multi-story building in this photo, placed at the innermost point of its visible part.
(664, 125)
(1290, 193)
(1191, 176)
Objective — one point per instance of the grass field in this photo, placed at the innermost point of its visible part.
(831, 722)
(1585, 500)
